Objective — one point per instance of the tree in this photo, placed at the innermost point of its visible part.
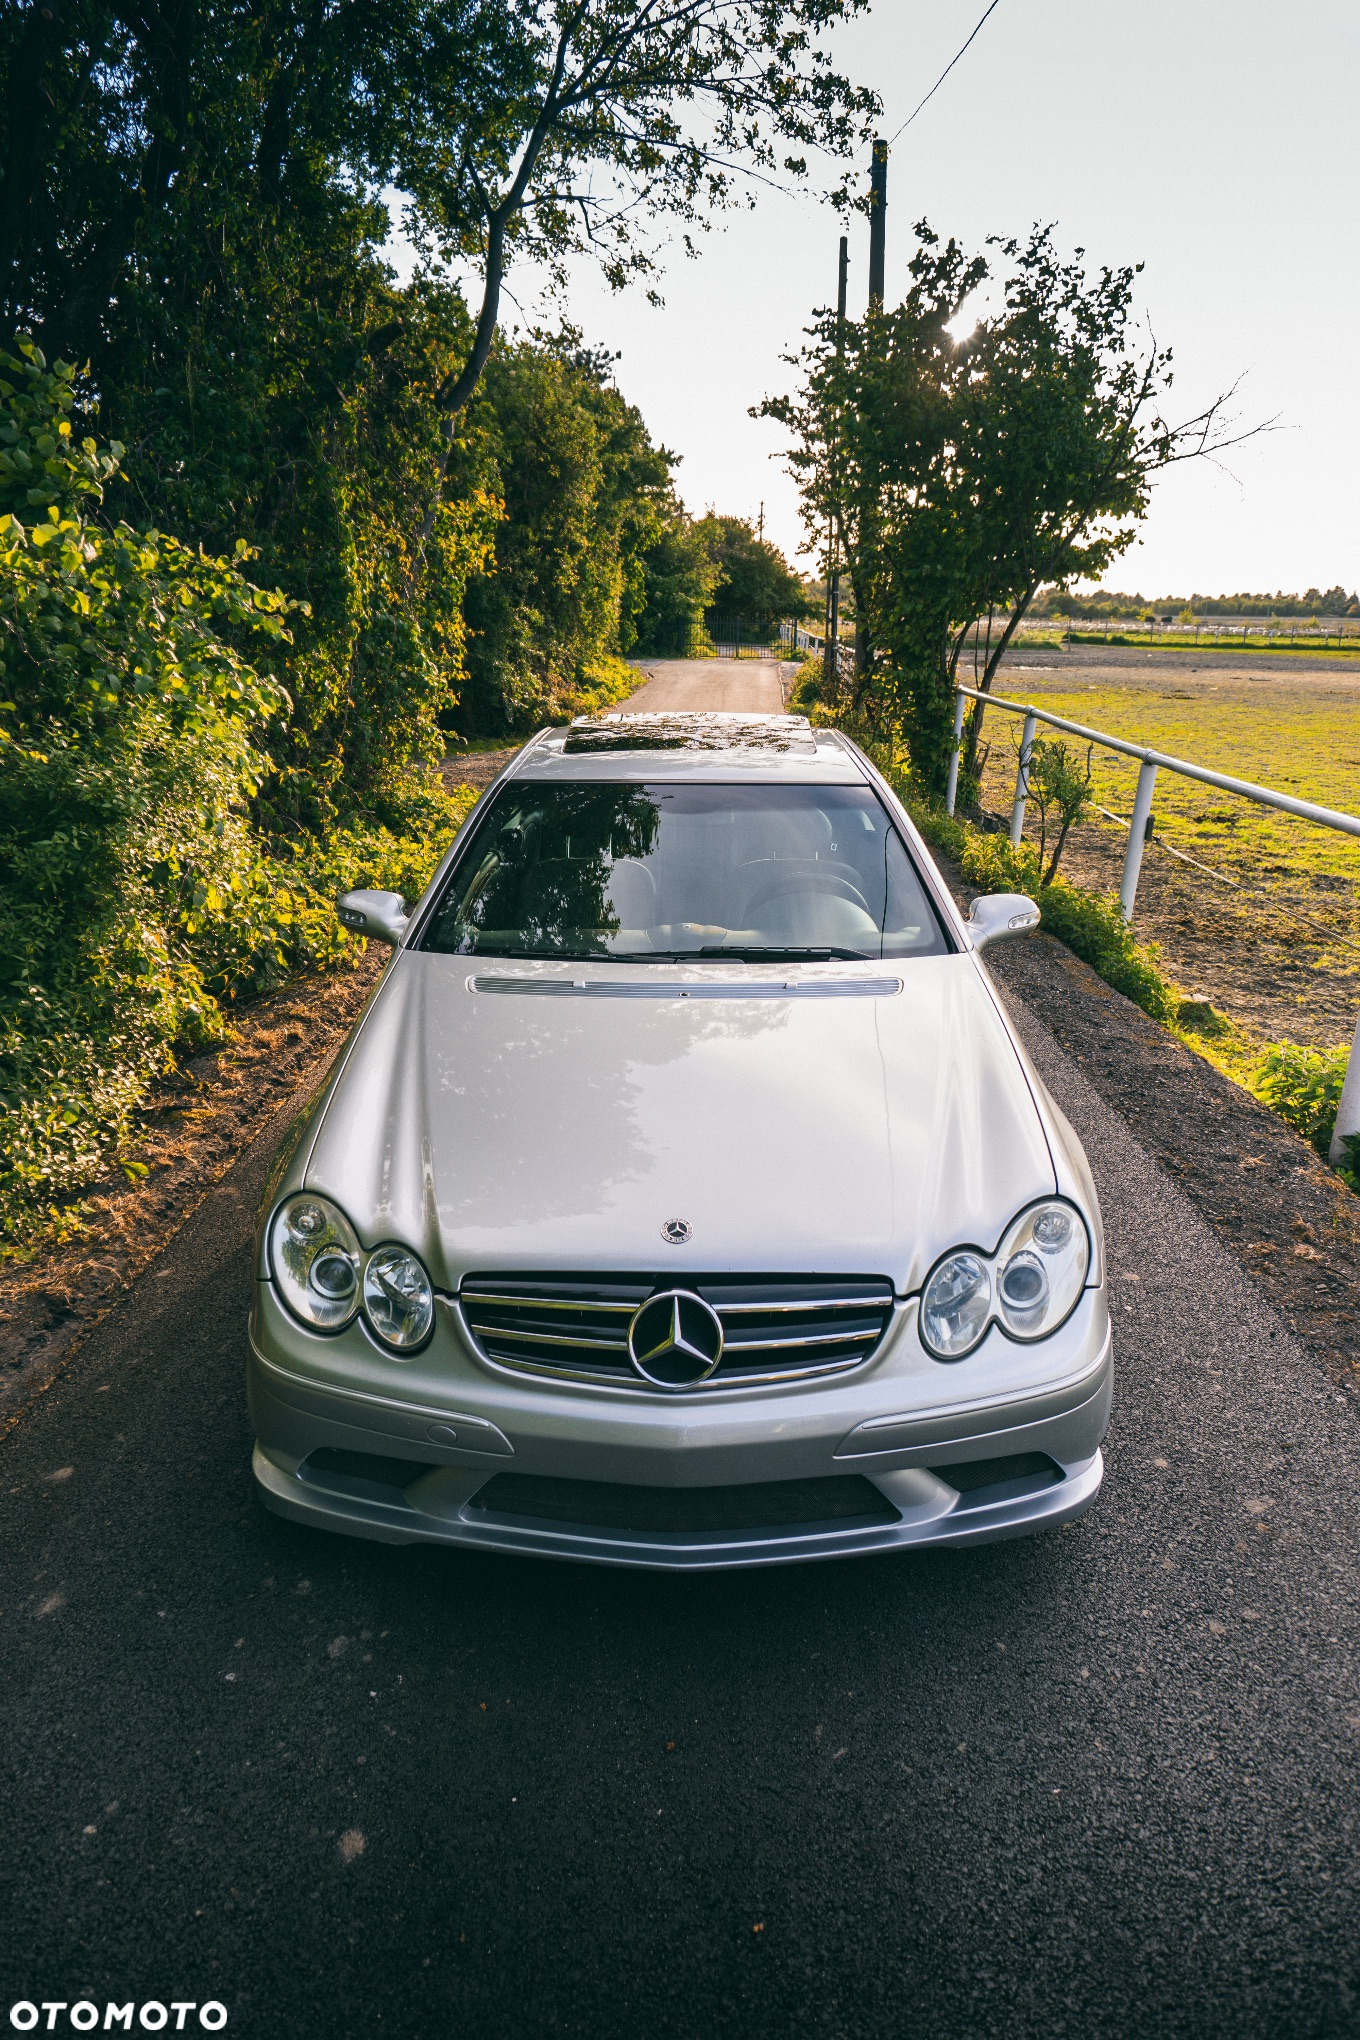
(617, 114)
(187, 201)
(754, 580)
(519, 128)
(678, 578)
(583, 492)
(965, 475)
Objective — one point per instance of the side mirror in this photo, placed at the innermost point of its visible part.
(382, 916)
(999, 914)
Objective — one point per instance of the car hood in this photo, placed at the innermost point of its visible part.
(837, 1134)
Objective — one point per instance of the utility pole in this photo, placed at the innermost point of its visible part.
(868, 522)
(831, 664)
(878, 223)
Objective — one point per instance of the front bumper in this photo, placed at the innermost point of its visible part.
(449, 1426)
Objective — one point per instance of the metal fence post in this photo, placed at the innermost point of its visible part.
(1022, 779)
(1138, 830)
(1348, 1105)
(952, 795)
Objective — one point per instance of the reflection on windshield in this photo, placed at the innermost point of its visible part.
(704, 872)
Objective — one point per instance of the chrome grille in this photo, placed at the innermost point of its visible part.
(774, 1327)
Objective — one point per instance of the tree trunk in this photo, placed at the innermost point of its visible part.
(973, 728)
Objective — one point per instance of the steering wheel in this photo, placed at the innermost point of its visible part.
(825, 882)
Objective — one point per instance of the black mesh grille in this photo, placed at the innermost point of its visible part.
(609, 1505)
(773, 1326)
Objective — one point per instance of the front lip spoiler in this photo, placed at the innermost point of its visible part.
(288, 1496)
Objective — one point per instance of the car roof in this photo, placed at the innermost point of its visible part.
(700, 745)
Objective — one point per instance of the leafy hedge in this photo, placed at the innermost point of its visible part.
(138, 898)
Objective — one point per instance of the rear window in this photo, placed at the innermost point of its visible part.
(639, 872)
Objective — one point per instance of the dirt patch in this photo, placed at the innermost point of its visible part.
(193, 1129)
(1282, 968)
(1226, 662)
(476, 768)
(1290, 1222)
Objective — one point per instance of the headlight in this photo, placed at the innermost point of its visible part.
(957, 1306)
(325, 1278)
(1029, 1287)
(315, 1261)
(398, 1298)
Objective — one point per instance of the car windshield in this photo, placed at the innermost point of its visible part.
(774, 873)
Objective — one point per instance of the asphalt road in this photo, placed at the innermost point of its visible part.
(1101, 1782)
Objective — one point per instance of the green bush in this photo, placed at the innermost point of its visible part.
(138, 899)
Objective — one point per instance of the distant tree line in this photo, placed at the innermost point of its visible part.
(1111, 602)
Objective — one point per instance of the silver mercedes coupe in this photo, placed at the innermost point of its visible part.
(684, 1196)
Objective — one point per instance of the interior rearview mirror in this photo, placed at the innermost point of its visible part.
(382, 916)
(999, 914)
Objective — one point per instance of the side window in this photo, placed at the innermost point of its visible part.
(910, 927)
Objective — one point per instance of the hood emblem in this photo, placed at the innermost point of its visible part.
(678, 1231)
(675, 1340)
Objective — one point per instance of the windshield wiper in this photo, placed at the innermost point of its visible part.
(715, 953)
(542, 955)
(787, 955)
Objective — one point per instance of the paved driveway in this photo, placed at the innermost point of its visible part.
(712, 683)
(1102, 1782)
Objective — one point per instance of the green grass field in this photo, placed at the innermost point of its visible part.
(1278, 949)
(1302, 739)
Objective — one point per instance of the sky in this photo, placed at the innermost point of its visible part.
(1211, 140)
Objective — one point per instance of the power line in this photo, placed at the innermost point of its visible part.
(943, 75)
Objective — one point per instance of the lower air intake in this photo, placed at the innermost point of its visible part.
(980, 1482)
(608, 1505)
(371, 1476)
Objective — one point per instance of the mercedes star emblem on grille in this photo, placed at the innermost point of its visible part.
(678, 1231)
(675, 1340)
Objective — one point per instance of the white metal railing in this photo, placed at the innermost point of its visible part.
(1140, 824)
